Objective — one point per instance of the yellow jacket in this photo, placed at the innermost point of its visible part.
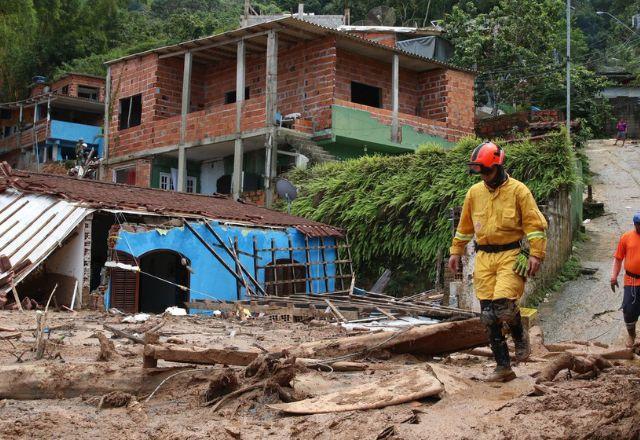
(501, 216)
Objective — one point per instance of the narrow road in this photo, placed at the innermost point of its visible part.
(586, 308)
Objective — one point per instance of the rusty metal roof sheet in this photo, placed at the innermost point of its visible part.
(104, 195)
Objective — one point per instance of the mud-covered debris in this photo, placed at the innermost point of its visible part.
(115, 399)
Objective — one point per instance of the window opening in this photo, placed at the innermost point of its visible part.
(366, 95)
(290, 276)
(125, 175)
(230, 97)
(87, 92)
(130, 112)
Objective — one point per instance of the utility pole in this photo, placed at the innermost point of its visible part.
(569, 69)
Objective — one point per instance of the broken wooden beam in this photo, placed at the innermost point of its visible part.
(432, 339)
(123, 334)
(196, 355)
(68, 380)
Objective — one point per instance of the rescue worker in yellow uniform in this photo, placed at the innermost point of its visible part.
(500, 211)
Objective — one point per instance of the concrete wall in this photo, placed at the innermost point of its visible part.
(209, 278)
(69, 261)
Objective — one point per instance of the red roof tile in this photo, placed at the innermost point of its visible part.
(105, 195)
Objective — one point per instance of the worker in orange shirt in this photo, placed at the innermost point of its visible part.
(500, 211)
(629, 251)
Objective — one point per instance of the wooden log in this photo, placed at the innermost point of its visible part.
(123, 334)
(10, 336)
(335, 311)
(8, 329)
(428, 339)
(55, 381)
(195, 355)
(335, 366)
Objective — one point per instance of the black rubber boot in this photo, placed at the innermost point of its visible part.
(520, 338)
(631, 334)
(503, 371)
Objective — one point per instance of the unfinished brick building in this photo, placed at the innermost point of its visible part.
(230, 112)
(46, 126)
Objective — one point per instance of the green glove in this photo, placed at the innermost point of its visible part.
(521, 265)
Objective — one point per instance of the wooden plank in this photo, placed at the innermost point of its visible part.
(195, 355)
(385, 313)
(382, 282)
(335, 311)
(324, 263)
(308, 254)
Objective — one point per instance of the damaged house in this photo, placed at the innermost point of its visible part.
(46, 126)
(230, 112)
(143, 250)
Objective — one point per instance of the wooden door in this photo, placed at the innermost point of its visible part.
(124, 285)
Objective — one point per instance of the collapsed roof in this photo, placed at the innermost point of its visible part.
(113, 196)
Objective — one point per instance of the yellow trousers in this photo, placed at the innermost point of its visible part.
(494, 278)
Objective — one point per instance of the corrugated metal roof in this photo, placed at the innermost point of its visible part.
(32, 226)
(298, 30)
(95, 194)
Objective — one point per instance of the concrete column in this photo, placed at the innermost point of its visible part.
(395, 73)
(271, 106)
(181, 185)
(107, 120)
(238, 152)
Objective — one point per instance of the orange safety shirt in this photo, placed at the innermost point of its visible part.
(629, 251)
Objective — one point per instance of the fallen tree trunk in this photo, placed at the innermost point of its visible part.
(568, 361)
(433, 339)
(56, 381)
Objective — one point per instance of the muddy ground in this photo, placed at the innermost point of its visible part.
(586, 308)
(606, 407)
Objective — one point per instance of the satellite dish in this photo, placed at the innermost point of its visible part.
(286, 190)
(381, 16)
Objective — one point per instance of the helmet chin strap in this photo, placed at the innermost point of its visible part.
(500, 178)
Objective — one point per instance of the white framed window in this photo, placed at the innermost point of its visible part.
(166, 182)
(191, 184)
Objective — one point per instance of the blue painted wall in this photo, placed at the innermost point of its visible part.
(210, 280)
(68, 134)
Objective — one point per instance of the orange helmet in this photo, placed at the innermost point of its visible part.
(485, 156)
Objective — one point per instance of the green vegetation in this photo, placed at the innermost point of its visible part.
(397, 209)
(517, 45)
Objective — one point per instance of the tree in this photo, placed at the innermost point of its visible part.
(17, 56)
(518, 47)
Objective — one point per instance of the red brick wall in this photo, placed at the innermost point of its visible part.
(460, 103)
(128, 78)
(143, 171)
(433, 90)
(305, 85)
(310, 75)
(354, 67)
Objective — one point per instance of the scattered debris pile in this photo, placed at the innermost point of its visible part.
(247, 373)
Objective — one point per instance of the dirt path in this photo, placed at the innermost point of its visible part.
(586, 308)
